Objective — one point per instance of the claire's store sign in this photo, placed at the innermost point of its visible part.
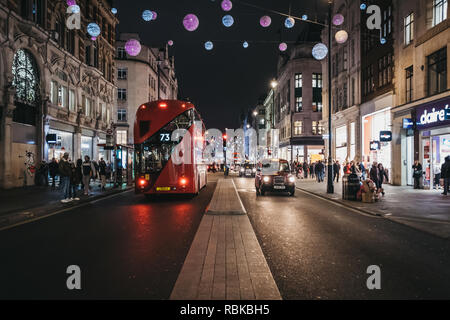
(433, 114)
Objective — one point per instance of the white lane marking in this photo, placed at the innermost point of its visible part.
(237, 194)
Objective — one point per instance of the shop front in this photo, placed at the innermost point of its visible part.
(433, 126)
(59, 139)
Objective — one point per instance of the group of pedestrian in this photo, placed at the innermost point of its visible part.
(441, 172)
(314, 170)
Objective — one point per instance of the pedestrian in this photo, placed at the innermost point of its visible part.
(336, 170)
(102, 173)
(417, 174)
(65, 172)
(363, 170)
(305, 169)
(383, 176)
(88, 173)
(437, 176)
(319, 168)
(75, 179)
(375, 175)
(445, 174)
(108, 170)
(53, 171)
(311, 170)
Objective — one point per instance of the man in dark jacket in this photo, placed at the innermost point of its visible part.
(336, 171)
(53, 170)
(102, 173)
(65, 172)
(375, 175)
(445, 174)
(320, 170)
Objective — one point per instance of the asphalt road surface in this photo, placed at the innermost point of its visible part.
(126, 247)
(318, 250)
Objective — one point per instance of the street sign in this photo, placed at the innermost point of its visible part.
(385, 136)
(408, 123)
(375, 145)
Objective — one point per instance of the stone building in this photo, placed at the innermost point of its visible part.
(56, 84)
(146, 77)
(420, 128)
(298, 101)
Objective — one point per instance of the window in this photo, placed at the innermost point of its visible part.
(87, 106)
(409, 28)
(317, 128)
(54, 92)
(353, 92)
(409, 84)
(122, 115)
(71, 100)
(437, 71)
(298, 80)
(62, 96)
(122, 94)
(317, 80)
(387, 22)
(103, 111)
(122, 73)
(368, 81)
(298, 104)
(317, 106)
(439, 11)
(385, 70)
(121, 53)
(88, 55)
(121, 137)
(298, 127)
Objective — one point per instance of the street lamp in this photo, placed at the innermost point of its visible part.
(330, 185)
(273, 84)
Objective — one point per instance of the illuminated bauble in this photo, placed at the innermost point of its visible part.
(170, 42)
(341, 36)
(226, 5)
(93, 29)
(133, 47)
(383, 40)
(227, 21)
(75, 8)
(71, 2)
(191, 22)
(147, 15)
(209, 45)
(289, 22)
(93, 38)
(245, 44)
(320, 51)
(304, 17)
(114, 11)
(338, 19)
(363, 6)
(155, 15)
(282, 46)
(265, 21)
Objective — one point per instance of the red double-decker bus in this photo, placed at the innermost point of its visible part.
(169, 141)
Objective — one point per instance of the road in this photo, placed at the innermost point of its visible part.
(318, 250)
(125, 246)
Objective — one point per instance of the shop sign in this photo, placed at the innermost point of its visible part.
(375, 145)
(408, 123)
(447, 114)
(51, 138)
(433, 114)
(385, 136)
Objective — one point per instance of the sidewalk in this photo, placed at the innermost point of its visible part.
(423, 209)
(225, 261)
(21, 204)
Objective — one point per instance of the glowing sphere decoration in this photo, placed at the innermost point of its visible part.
(341, 36)
(133, 47)
(93, 38)
(363, 6)
(93, 29)
(227, 21)
(265, 21)
(209, 45)
(383, 40)
(319, 51)
(226, 5)
(190, 22)
(282, 46)
(71, 2)
(170, 42)
(289, 22)
(75, 8)
(304, 17)
(147, 15)
(154, 15)
(114, 11)
(338, 19)
(245, 44)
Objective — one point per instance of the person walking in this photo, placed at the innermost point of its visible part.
(383, 176)
(305, 169)
(102, 173)
(75, 179)
(312, 170)
(417, 174)
(336, 170)
(437, 176)
(319, 168)
(375, 175)
(363, 170)
(65, 172)
(445, 174)
(88, 173)
(53, 171)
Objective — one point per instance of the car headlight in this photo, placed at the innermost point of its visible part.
(266, 179)
(292, 179)
(254, 170)
(242, 170)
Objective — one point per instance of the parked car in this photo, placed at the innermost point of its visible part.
(274, 175)
(247, 170)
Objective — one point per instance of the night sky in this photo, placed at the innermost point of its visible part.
(229, 79)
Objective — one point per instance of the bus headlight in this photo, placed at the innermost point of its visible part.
(242, 169)
(292, 179)
(266, 179)
(254, 170)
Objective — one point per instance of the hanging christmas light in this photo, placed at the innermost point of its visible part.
(93, 29)
(341, 36)
(227, 21)
(170, 42)
(147, 15)
(133, 47)
(289, 22)
(282, 46)
(71, 2)
(226, 5)
(320, 51)
(209, 45)
(245, 44)
(191, 22)
(338, 19)
(75, 8)
(114, 11)
(265, 21)
(155, 15)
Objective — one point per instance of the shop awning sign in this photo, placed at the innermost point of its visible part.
(375, 145)
(433, 114)
(385, 136)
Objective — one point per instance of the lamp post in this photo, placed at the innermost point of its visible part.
(330, 186)
(273, 84)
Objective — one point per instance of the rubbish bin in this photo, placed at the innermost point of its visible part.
(350, 187)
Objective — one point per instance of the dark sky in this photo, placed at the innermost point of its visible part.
(229, 79)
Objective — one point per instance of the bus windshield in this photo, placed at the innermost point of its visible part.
(157, 150)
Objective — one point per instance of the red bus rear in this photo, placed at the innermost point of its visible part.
(168, 148)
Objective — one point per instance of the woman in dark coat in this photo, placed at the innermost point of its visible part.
(383, 176)
(75, 179)
(375, 175)
(417, 174)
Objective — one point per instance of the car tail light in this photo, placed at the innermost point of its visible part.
(142, 182)
(163, 105)
(183, 182)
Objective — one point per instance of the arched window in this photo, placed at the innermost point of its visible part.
(26, 82)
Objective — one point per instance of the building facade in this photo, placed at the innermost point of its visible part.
(420, 129)
(298, 105)
(149, 76)
(57, 85)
